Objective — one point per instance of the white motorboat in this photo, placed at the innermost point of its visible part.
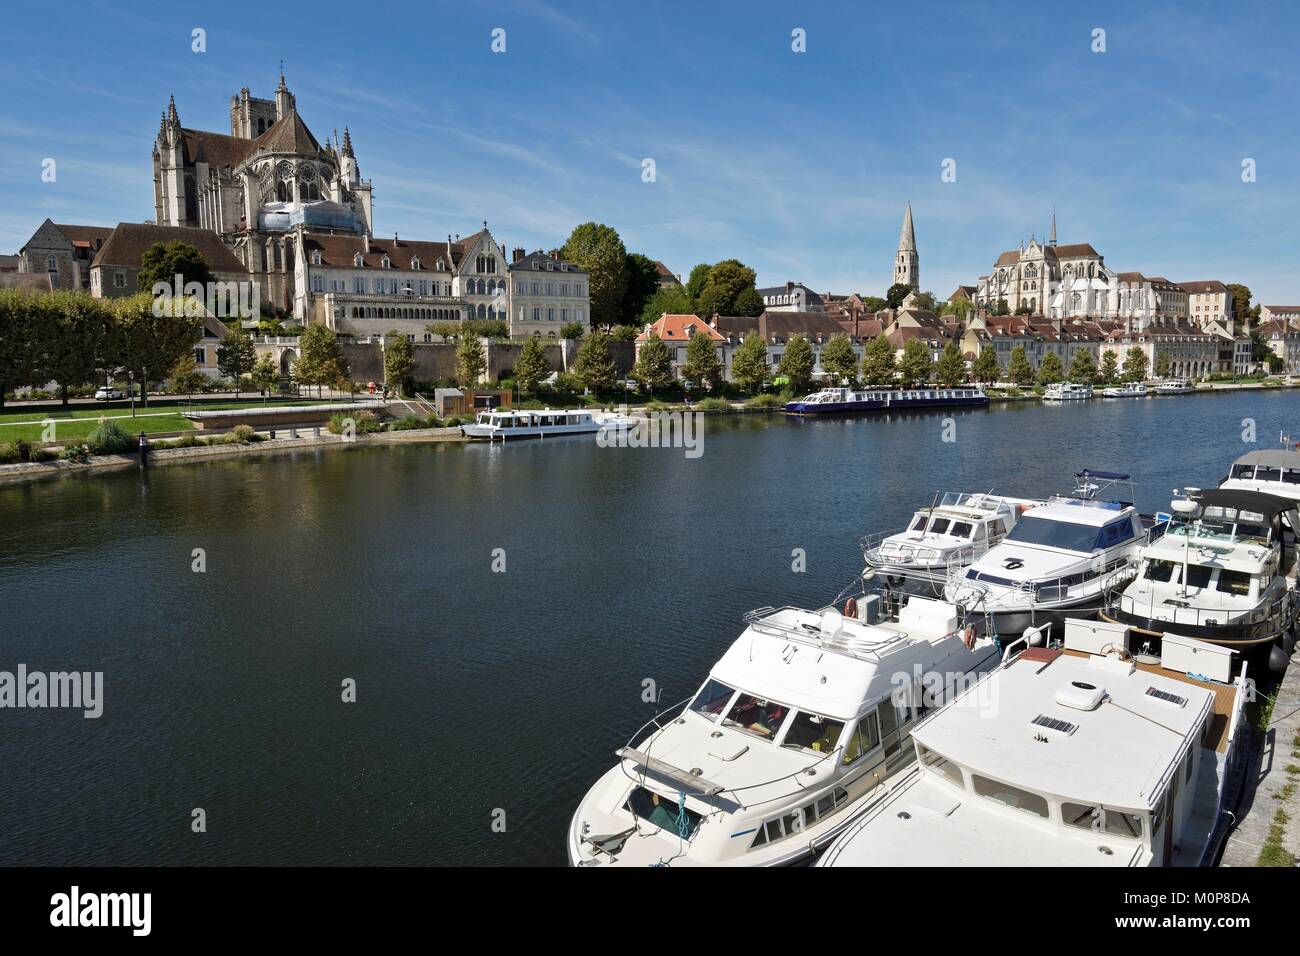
(1174, 386)
(955, 530)
(1224, 572)
(1130, 390)
(1067, 392)
(800, 727)
(1061, 558)
(1074, 757)
(1274, 471)
(501, 424)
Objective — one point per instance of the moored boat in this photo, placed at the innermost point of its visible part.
(1174, 386)
(1130, 390)
(1083, 755)
(502, 424)
(1067, 392)
(843, 401)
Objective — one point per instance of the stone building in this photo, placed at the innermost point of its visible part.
(63, 252)
(546, 293)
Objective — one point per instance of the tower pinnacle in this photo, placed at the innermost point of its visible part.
(907, 263)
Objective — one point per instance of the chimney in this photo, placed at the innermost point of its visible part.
(789, 287)
(365, 241)
(518, 254)
(555, 254)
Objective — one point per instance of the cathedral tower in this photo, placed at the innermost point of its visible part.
(907, 264)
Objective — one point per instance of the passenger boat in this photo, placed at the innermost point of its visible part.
(842, 401)
(1067, 392)
(513, 423)
(1130, 390)
(955, 530)
(1174, 386)
(801, 726)
(1077, 756)
(1061, 558)
(1224, 572)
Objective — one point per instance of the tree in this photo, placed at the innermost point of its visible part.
(1135, 364)
(749, 303)
(1001, 308)
(1050, 369)
(926, 301)
(1083, 368)
(594, 365)
(950, 370)
(598, 250)
(1109, 368)
(571, 330)
(896, 294)
(1162, 365)
(696, 280)
(797, 363)
(236, 355)
(399, 361)
(654, 366)
(749, 364)
(470, 361)
(642, 282)
(726, 281)
(915, 366)
(873, 303)
(702, 365)
(878, 362)
(1260, 350)
(164, 261)
(1018, 368)
(532, 367)
(1241, 297)
(320, 359)
(447, 331)
(145, 334)
(839, 359)
(670, 300)
(72, 329)
(19, 334)
(186, 377)
(265, 375)
(959, 308)
(986, 368)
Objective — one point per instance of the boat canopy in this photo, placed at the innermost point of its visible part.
(1233, 499)
(1270, 457)
(1104, 475)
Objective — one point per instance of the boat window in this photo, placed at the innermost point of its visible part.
(1159, 570)
(918, 524)
(1198, 575)
(756, 716)
(942, 765)
(1114, 533)
(664, 813)
(813, 732)
(865, 738)
(1054, 534)
(1243, 471)
(1011, 796)
(1291, 476)
(1268, 474)
(960, 529)
(939, 525)
(1233, 582)
(1087, 816)
(712, 699)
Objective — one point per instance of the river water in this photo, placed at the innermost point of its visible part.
(486, 700)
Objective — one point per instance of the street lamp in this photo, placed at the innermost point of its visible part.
(130, 390)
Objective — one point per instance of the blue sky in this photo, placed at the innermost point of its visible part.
(798, 164)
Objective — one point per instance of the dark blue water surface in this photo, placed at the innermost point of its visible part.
(476, 691)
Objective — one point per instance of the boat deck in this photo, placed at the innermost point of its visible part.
(1224, 695)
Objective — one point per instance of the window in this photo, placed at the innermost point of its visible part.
(865, 738)
(942, 765)
(1233, 582)
(939, 526)
(1010, 796)
(1198, 575)
(813, 732)
(200, 356)
(918, 524)
(52, 264)
(757, 716)
(712, 698)
(1159, 571)
(1054, 534)
(661, 812)
(358, 261)
(960, 529)
(1088, 816)
(119, 280)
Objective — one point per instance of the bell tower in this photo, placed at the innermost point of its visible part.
(907, 263)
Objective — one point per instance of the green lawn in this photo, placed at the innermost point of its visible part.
(75, 422)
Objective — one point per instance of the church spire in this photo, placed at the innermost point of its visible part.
(347, 143)
(907, 235)
(173, 118)
(907, 263)
(1053, 239)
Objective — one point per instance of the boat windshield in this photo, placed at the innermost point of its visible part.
(809, 731)
(1068, 536)
(756, 715)
(712, 698)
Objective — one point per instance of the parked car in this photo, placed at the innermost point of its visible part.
(107, 393)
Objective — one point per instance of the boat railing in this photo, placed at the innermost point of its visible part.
(1180, 610)
(858, 645)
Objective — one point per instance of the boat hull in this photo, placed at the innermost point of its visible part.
(854, 408)
(1237, 637)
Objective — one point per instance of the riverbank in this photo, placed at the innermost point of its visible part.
(161, 455)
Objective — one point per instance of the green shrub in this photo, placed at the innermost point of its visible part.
(713, 404)
(363, 422)
(76, 452)
(43, 454)
(8, 454)
(244, 434)
(188, 440)
(409, 422)
(108, 439)
(656, 406)
(766, 400)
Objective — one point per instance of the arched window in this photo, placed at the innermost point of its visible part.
(358, 260)
(415, 263)
(387, 263)
(315, 257)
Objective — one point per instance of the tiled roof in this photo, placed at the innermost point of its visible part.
(129, 240)
(215, 149)
(339, 251)
(1203, 286)
(1075, 250)
(674, 328)
(545, 263)
(26, 281)
(92, 236)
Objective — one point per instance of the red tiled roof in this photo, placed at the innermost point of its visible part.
(674, 328)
